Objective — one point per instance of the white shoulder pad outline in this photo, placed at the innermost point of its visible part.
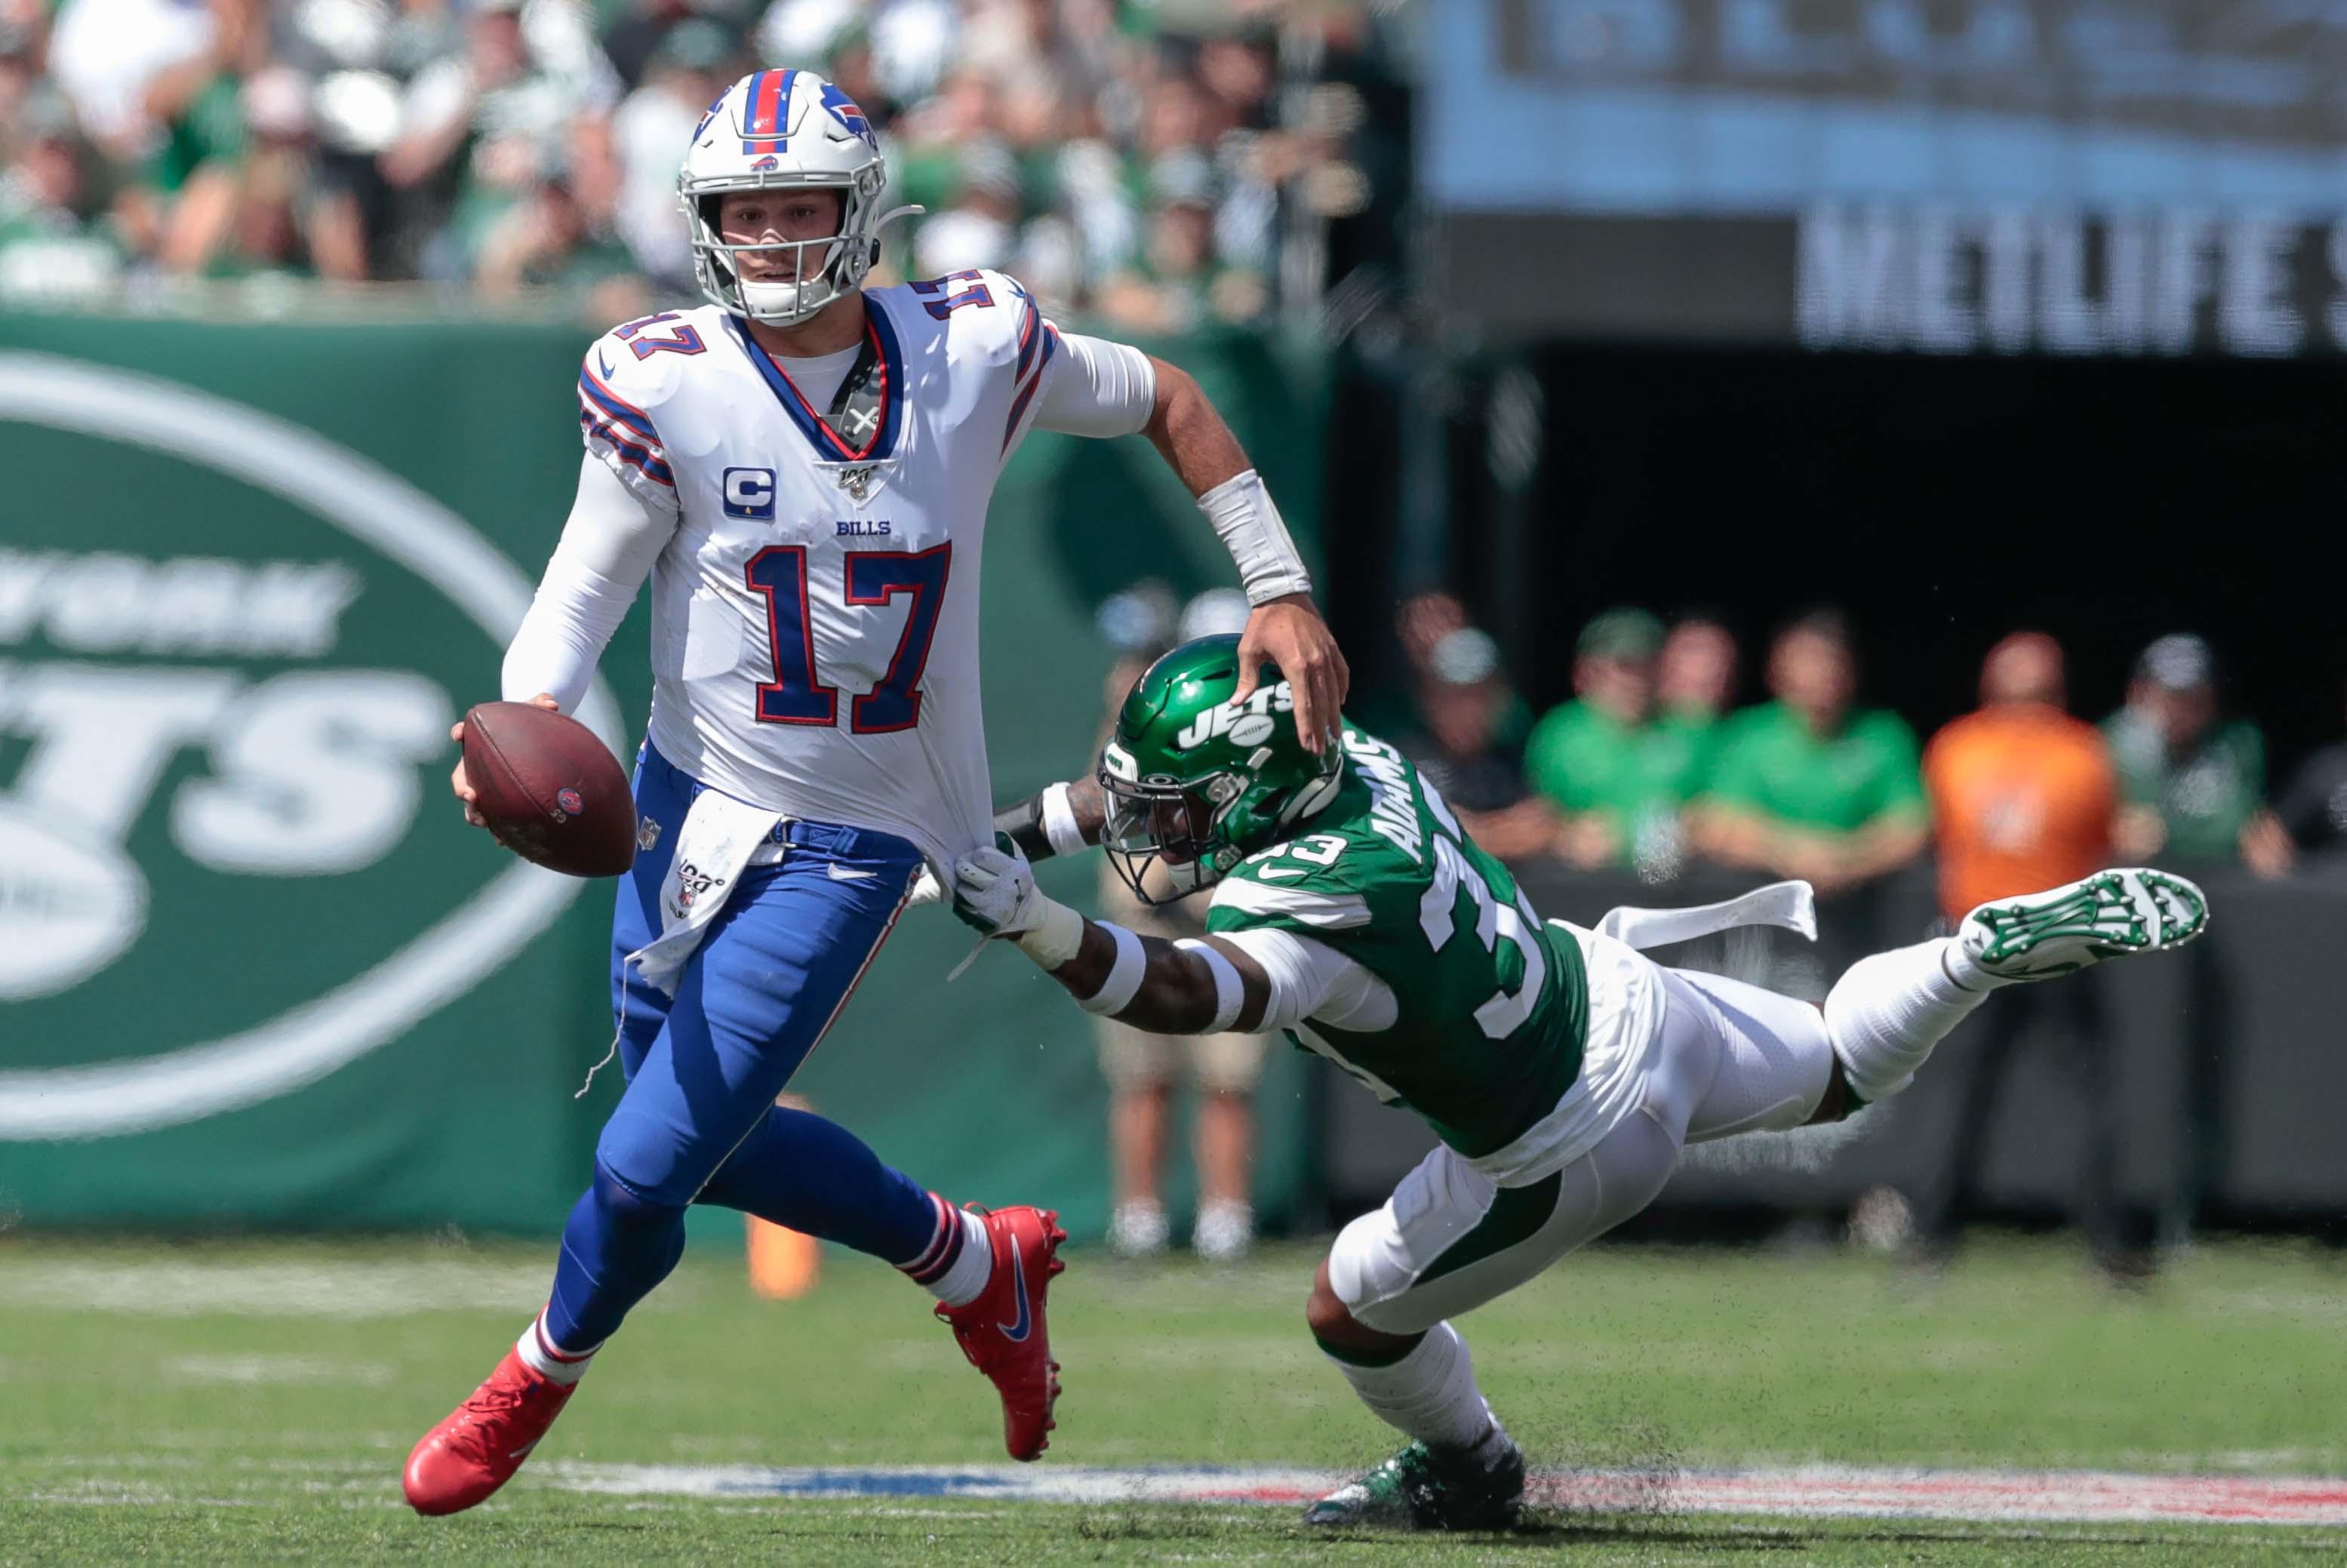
(626, 376)
(1322, 911)
(1011, 328)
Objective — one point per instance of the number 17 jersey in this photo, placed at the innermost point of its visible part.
(814, 627)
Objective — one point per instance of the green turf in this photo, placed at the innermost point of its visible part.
(132, 1374)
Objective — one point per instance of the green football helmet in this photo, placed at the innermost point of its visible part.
(1196, 782)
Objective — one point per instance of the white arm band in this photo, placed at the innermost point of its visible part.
(1249, 527)
(1229, 992)
(1060, 828)
(1117, 992)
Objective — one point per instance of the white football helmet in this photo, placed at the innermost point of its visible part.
(794, 130)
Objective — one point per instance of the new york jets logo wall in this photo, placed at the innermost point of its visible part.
(229, 652)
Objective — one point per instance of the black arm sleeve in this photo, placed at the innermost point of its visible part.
(1024, 822)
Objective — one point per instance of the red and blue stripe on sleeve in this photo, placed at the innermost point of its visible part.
(1039, 340)
(611, 423)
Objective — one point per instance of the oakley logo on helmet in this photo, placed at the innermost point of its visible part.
(1247, 723)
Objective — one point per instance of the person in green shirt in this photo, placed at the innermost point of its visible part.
(1809, 785)
(1619, 770)
(1694, 674)
(2191, 782)
(54, 242)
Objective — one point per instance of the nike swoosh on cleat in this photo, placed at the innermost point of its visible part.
(525, 1448)
(839, 873)
(1017, 1331)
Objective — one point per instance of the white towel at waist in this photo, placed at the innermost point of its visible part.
(718, 836)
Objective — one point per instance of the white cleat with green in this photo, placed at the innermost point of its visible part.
(2109, 915)
(1421, 1489)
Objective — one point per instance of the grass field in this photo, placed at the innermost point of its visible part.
(252, 1403)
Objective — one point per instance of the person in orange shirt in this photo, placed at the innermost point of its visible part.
(2024, 796)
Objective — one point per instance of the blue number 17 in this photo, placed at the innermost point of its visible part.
(796, 695)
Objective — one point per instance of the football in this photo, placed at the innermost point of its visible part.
(553, 793)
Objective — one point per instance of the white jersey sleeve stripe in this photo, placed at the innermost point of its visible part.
(1328, 911)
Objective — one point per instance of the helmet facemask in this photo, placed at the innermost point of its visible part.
(1197, 780)
(829, 266)
(1176, 825)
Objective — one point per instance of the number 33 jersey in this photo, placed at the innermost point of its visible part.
(1446, 993)
(815, 613)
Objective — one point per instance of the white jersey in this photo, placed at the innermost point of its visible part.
(816, 600)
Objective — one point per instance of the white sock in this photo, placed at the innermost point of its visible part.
(1430, 1394)
(1138, 1228)
(541, 1355)
(966, 1277)
(1889, 1009)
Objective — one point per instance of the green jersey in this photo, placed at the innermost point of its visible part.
(1585, 760)
(1491, 1007)
(1770, 763)
(2205, 798)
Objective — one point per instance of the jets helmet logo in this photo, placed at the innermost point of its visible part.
(1247, 723)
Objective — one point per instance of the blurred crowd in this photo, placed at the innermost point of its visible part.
(1150, 163)
(1649, 766)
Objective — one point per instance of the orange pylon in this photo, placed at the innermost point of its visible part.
(784, 1264)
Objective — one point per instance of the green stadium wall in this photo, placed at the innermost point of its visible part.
(258, 973)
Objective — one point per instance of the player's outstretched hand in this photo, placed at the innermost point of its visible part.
(994, 891)
(465, 795)
(1288, 632)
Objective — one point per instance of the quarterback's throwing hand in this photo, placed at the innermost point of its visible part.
(465, 795)
(995, 893)
(1288, 632)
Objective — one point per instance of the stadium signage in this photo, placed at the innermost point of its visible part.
(176, 715)
(1982, 176)
(1956, 279)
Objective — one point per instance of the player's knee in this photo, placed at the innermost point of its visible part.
(1324, 1311)
(625, 1206)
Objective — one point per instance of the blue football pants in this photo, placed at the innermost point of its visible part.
(697, 1122)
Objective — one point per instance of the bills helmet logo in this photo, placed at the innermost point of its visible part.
(709, 114)
(843, 110)
(765, 163)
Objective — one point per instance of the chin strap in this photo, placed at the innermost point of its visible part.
(913, 210)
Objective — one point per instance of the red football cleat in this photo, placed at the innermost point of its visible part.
(1003, 1331)
(484, 1440)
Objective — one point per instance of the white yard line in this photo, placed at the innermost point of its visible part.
(1811, 1491)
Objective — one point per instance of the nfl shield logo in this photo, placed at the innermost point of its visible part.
(568, 799)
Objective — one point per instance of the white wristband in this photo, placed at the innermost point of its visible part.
(1054, 939)
(1116, 993)
(1229, 992)
(1060, 827)
(1250, 527)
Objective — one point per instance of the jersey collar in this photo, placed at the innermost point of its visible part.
(830, 447)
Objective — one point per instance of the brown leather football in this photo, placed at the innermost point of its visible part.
(552, 791)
